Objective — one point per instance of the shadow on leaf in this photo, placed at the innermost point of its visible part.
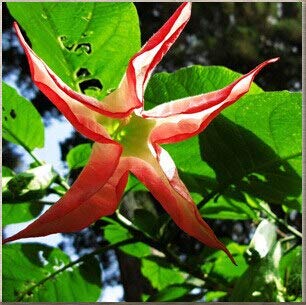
(240, 158)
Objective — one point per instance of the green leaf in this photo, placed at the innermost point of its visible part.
(160, 273)
(134, 184)
(213, 296)
(21, 123)
(29, 275)
(229, 206)
(268, 126)
(29, 185)
(78, 156)
(82, 41)
(20, 212)
(218, 266)
(254, 145)
(7, 172)
(172, 293)
(115, 233)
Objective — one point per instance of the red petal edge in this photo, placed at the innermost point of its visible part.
(143, 63)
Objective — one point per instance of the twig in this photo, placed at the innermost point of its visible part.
(71, 264)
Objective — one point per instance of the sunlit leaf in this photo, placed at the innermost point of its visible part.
(213, 296)
(160, 273)
(115, 233)
(78, 156)
(218, 266)
(21, 123)
(172, 293)
(87, 44)
(20, 212)
(30, 275)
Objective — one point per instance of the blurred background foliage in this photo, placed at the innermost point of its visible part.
(234, 35)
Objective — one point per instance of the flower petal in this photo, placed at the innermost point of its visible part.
(53, 87)
(158, 173)
(143, 63)
(95, 193)
(184, 118)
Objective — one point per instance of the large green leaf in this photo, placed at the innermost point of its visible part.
(254, 146)
(257, 144)
(29, 275)
(21, 123)
(82, 41)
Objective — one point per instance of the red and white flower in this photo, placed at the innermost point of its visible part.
(127, 139)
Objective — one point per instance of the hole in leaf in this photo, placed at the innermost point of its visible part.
(65, 43)
(83, 47)
(13, 114)
(5, 118)
(70, 47)
(82, 72)
(94, 84)
(3, 109)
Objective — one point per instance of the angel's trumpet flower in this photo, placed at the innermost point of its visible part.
(127, 139)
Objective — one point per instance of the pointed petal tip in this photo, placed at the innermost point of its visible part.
(230, 256)
(7, 240)
(16, 27)
(187, 4)
(273, 59)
